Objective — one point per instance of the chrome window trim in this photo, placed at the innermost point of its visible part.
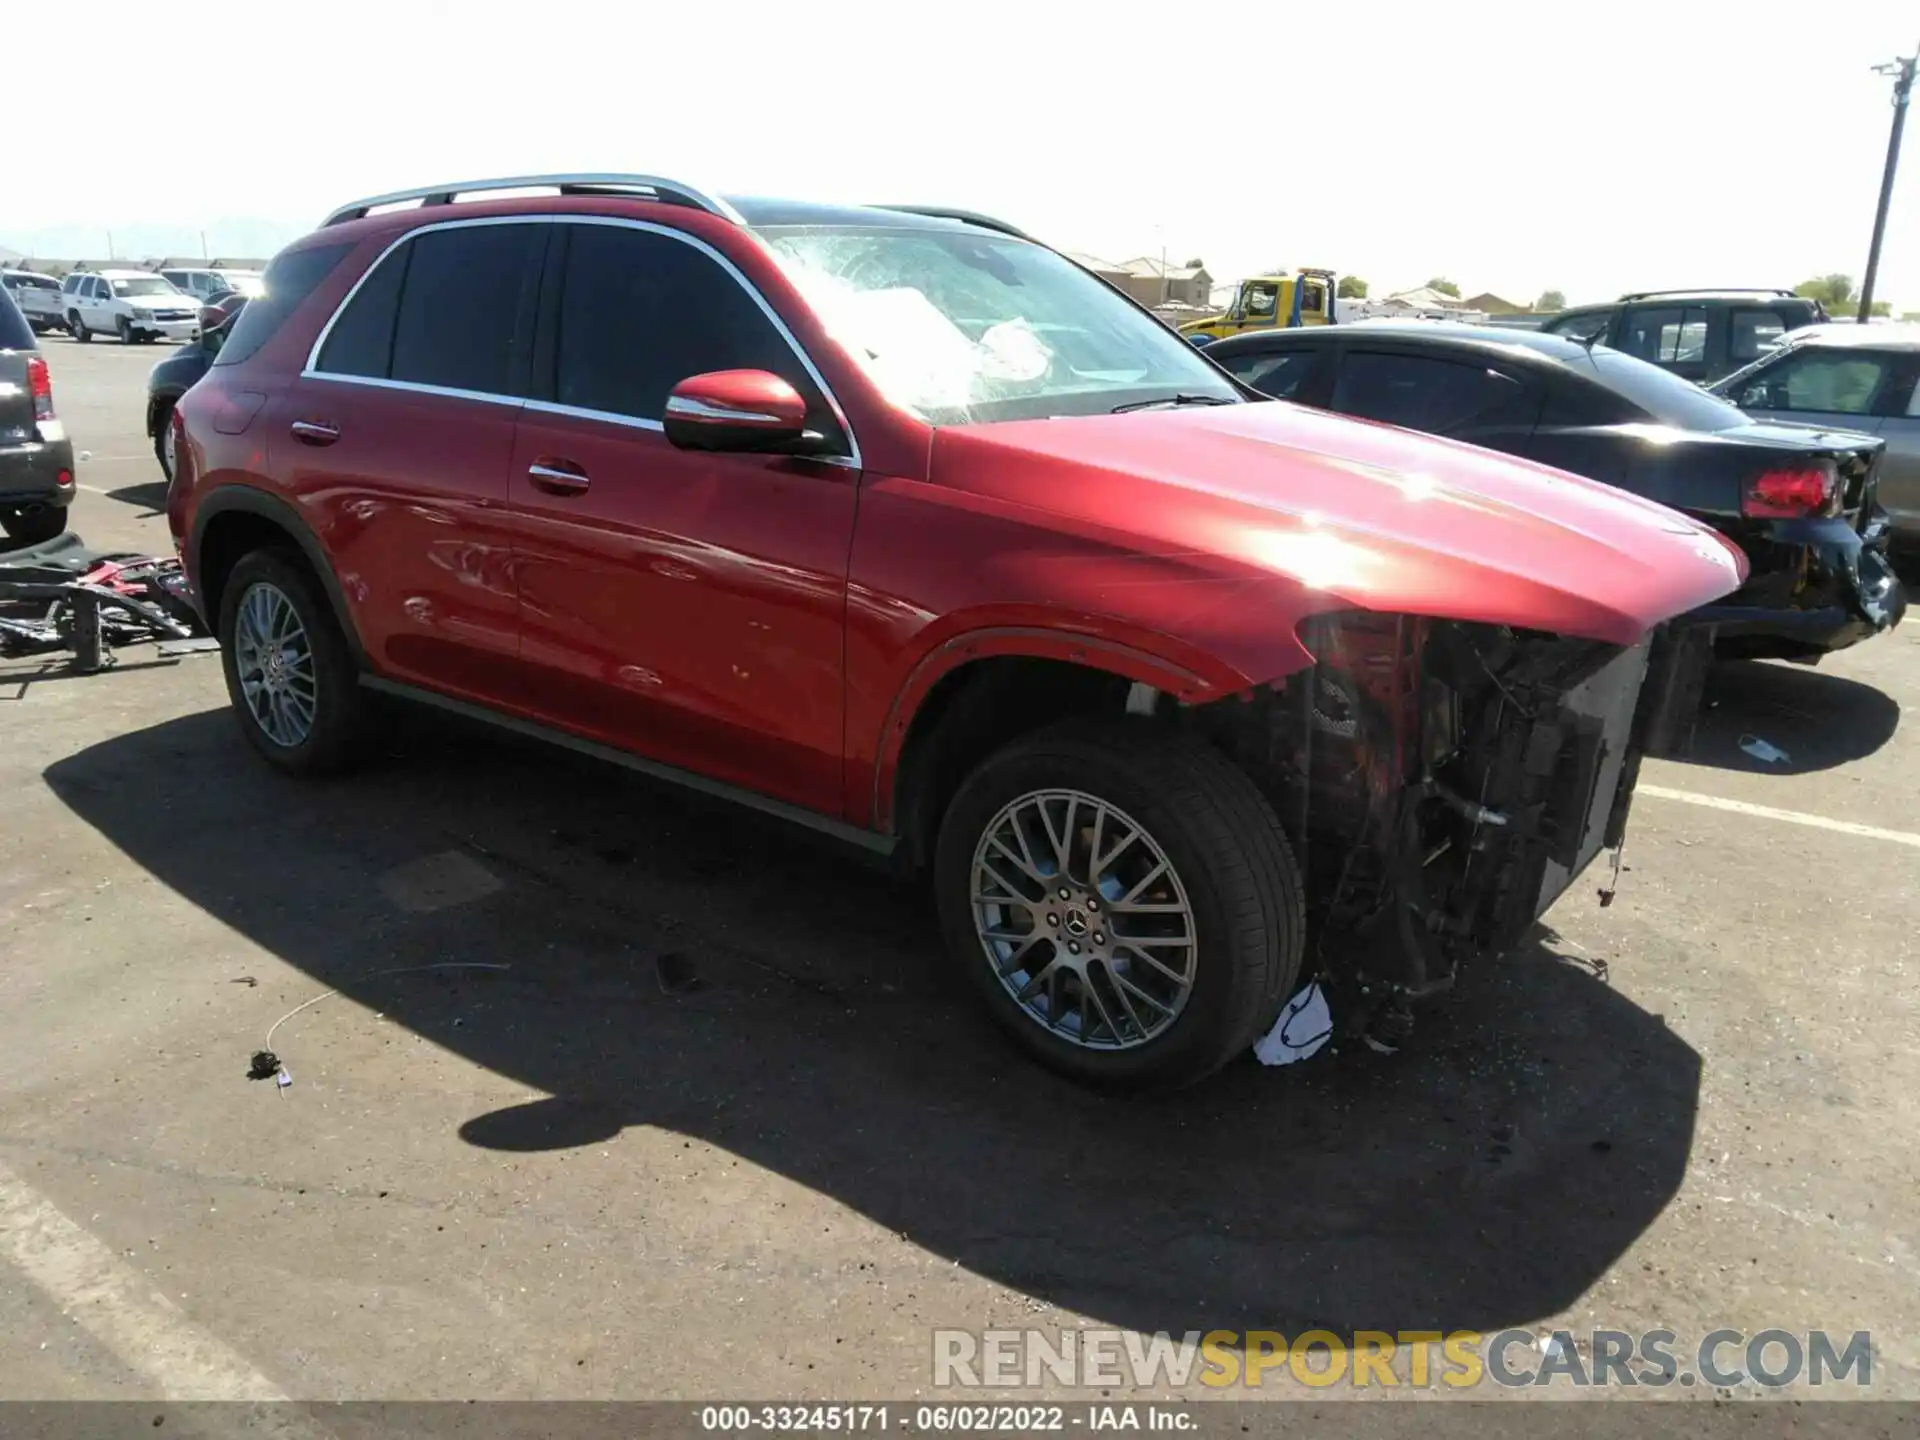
(512, 402)
(632, 422)
(311, 370)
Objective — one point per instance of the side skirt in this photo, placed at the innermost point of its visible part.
(850, 834)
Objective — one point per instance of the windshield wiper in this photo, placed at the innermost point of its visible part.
(1173, 400)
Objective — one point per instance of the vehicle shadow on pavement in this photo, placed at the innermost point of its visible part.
(706, 971)
(150, 496)
(1819, 720)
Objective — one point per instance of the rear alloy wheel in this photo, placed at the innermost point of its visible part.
(77, 328)
(290, 675)
(1124, 900)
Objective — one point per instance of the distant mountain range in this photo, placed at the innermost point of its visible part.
(243, 236)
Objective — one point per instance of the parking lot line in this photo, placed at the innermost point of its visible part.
(1791, 817)
(114, 1304)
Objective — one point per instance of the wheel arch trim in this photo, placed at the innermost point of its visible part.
(250, 500)
(1036, 642)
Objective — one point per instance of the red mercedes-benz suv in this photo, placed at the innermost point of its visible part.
(898, 523)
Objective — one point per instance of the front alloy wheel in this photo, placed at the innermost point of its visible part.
(274, 661)
(1122, 898)
(1083, 919)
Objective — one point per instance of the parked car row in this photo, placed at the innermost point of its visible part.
(136, 305)
(903, 526)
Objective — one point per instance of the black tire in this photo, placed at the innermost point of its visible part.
(77, 328)
(34, 527)
(162, 423)
(343, 712)
(123, 327)
(1221, 838)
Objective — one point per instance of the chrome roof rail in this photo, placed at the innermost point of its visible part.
(651, 187)
(965, 217)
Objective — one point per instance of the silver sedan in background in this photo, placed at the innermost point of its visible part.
(1845, 376)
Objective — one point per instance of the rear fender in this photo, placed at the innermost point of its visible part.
(249, 500)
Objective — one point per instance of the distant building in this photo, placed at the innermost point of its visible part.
(1154, 282)
(1107, 270)
(1492, 304)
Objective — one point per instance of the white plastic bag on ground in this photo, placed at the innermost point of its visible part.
(1303, 1027)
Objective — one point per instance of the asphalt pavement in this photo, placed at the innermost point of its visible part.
(627, 1095)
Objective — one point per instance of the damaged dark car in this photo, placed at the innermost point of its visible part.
(1802, 504)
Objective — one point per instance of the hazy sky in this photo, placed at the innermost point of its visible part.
(1510, 147)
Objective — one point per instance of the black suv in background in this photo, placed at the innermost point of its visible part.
(1699, 335)
(36, 458)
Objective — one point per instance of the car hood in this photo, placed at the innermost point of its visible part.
(1359, 515)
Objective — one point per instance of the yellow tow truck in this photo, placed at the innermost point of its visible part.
(1271, 302)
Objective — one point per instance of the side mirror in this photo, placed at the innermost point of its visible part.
(738, 411)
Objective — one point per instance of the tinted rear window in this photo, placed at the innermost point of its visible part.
(15, 333)
(460, 307)
(360, 340)
(291, 277)
(1661, 394)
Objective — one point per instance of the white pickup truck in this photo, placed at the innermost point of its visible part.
(38, 297)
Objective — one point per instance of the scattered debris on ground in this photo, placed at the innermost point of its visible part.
(63, 597)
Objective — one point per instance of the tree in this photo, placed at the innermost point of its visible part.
(1352, 287)
(1550, 300)
(1196, 264)
(1837, 294)
(1444, 286)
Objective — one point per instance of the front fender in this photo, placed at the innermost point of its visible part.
(1149, 659)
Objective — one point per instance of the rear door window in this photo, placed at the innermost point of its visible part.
(1441, 397)
(290, 278)
(465, 316)
(1752, 333)
(1280, 374)
(640, 311)
(360, 339)
(1834, 382)
(1670, 335)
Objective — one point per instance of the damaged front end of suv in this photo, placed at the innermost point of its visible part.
(1443, 783)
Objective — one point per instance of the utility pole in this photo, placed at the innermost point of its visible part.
(1902, 71)
(203, 244)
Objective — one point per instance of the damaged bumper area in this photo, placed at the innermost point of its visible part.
(1817, 585)
(1444, 783)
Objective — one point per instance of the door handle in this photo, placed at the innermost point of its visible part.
(556, 480)
(314, 432)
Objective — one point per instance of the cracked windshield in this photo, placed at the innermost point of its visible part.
(962, 328)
